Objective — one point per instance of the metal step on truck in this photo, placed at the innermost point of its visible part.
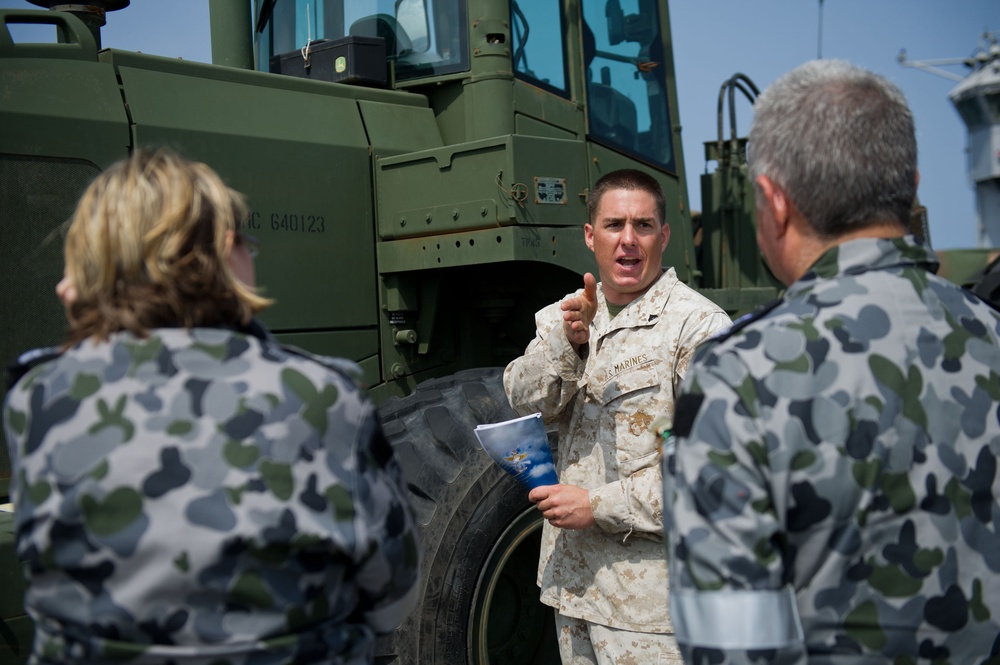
(417, 174)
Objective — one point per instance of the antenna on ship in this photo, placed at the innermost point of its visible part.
(975, 98)
(819, 36)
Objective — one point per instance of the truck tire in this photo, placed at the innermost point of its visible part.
(480, 535)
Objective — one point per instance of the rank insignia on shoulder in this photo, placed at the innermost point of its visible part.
(28, 360)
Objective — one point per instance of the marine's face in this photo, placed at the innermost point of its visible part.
(628, 240)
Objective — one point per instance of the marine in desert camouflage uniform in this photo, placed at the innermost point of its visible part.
(197, 494)
(834, 487)
(605, 361)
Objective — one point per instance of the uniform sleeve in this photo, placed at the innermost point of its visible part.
(728, 597)
(388, 574)
(544, 380)
(696, 331)
(635, 504)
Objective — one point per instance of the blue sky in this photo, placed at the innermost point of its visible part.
(764, 38)
(713, 39)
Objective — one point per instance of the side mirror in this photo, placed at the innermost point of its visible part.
(616, 22)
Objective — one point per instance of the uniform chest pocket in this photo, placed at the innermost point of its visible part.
(633, 397)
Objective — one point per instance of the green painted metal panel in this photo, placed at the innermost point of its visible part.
(739, 301)
(415, 186)
(232, 33)
(561, 114)
(61, 121)
(483, 183)
(37, 195)
(302, 160)
(449, 109)
(562, 246)
(255, 79)
(527, 126)
(56, 100)
(731, 258)
(394, 129)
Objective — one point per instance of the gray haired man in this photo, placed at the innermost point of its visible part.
(834, 486)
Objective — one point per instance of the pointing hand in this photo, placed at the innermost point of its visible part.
(579, 311)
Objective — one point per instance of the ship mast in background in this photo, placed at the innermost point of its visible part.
(977, 99)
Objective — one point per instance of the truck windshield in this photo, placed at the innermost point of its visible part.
(424, 37)
(627, 102)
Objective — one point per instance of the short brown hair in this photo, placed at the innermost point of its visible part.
(628, 179)
(146, 248)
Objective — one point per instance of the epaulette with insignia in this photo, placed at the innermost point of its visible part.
(745, 320)
(28, 360)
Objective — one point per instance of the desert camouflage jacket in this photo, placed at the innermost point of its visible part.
(836, 473)
(613, 574)
(206, 496)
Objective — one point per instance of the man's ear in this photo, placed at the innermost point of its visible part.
(588, 235)
(777, 203)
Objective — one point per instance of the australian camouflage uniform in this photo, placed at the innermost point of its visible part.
(206, 496)
(835, 479)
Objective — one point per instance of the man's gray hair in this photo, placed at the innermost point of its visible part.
(839, 140)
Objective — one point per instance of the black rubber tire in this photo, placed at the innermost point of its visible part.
(480, 535)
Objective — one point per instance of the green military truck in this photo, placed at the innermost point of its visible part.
(417, 172)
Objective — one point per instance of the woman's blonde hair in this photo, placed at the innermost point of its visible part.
(146, 248)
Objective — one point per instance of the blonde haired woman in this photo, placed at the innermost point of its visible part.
(187, 490)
